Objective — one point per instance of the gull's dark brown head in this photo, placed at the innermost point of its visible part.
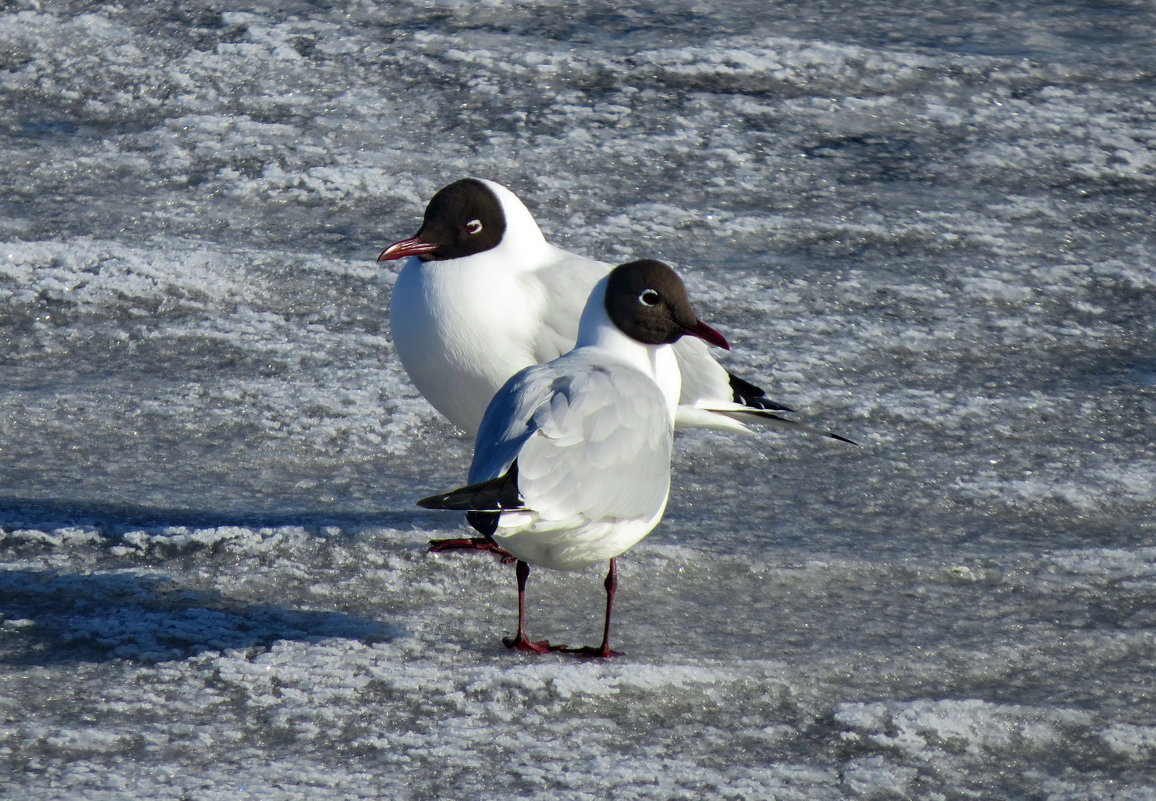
(462, 219)
(648, 302)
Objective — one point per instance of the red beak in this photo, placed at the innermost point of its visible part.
(406, 247)
(708, 334)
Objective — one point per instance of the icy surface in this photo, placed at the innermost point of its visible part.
(930, 227)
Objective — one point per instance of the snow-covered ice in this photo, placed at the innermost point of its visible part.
(928, 227)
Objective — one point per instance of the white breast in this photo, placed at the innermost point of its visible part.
(461, 328)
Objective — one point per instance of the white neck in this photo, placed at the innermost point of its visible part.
(596, 330)
(523, 244)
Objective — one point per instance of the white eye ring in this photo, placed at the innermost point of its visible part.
(649, 297)
(474, 227)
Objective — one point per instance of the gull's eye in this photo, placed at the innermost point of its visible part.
(649, 298)
(474, 227)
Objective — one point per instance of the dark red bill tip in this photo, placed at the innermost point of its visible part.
(405, 248)
(708, 334)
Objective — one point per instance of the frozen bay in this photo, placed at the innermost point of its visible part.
(929, 229)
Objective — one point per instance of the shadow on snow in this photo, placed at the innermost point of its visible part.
(53, 617)
(111, 518)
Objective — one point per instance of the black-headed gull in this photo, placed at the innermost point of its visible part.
(483, 294)
(572, 459)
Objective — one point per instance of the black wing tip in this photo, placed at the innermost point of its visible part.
(753, 396)
(764, 404)
(494, 495)
(486, 523)
(437, 501)
(466, 500)
(768, 415)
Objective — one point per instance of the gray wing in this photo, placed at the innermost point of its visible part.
(703, 379)
(711, 397)
(592, 441)
(507, 423)
(567, 281)
(708, 398)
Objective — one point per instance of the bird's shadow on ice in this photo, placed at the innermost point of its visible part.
(52, 617)
(17, 512)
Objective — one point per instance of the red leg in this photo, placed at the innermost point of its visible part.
(471, 544)
(603, 651)
(520, 640)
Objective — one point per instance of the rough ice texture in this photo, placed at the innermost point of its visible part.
(929, 229)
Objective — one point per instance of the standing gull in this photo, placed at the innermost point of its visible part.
(483, 295)
(572, 459)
